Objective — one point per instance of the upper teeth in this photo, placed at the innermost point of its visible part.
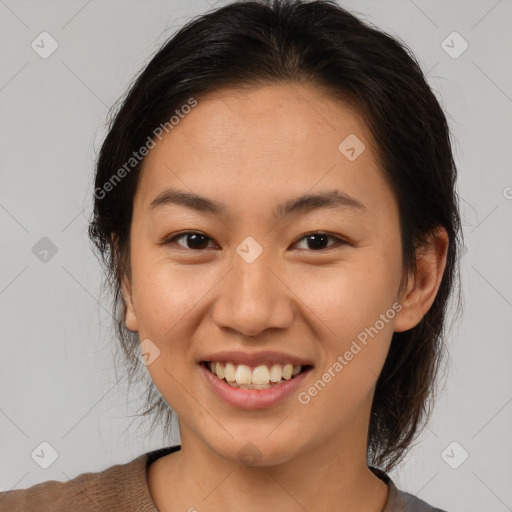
(260, 375)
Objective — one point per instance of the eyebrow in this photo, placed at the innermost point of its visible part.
(332, 199)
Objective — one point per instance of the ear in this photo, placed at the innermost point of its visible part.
(423, 284)
(126, 288)
(128, 309)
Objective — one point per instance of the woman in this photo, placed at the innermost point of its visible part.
(275, 207)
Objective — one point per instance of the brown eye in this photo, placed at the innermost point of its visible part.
(193, 240)
(318, 241)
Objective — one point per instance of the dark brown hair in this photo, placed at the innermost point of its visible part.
(317, 42)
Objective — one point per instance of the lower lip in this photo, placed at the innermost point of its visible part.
(252, 398)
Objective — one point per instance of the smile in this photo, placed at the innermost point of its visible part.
(259, 377)
(249, 395)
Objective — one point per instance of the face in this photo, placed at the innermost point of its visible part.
(265, 283)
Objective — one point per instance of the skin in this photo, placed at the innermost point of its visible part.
(251, 149)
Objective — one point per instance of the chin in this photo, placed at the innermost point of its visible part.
(258, 450)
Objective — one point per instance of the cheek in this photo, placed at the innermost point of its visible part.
(166, 295)
(352, 295)
(358, 309)
(168, 304)
(356, 303)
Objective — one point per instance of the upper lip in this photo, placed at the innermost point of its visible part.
(256, 358)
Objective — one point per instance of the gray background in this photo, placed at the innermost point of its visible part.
(57, 379)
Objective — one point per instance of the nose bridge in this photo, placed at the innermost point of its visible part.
(252, 299)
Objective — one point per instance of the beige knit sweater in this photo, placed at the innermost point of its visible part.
(124, 488)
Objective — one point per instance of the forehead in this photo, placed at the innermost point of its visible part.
(264, 142)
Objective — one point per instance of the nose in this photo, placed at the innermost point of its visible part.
(253, 298)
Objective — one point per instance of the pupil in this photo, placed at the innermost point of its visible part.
(317, 245)
(197, 240)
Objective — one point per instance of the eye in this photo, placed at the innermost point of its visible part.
(196, 240)
(317, 241)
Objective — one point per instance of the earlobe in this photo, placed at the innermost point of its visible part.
(423, 285)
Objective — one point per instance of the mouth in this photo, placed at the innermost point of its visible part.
(263, 376)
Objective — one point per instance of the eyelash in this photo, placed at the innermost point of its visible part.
(340, 241)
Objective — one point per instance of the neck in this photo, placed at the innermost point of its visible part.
(328, 476)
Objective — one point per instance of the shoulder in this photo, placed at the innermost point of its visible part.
(115, 488)
(401, 501)
(411, 503)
